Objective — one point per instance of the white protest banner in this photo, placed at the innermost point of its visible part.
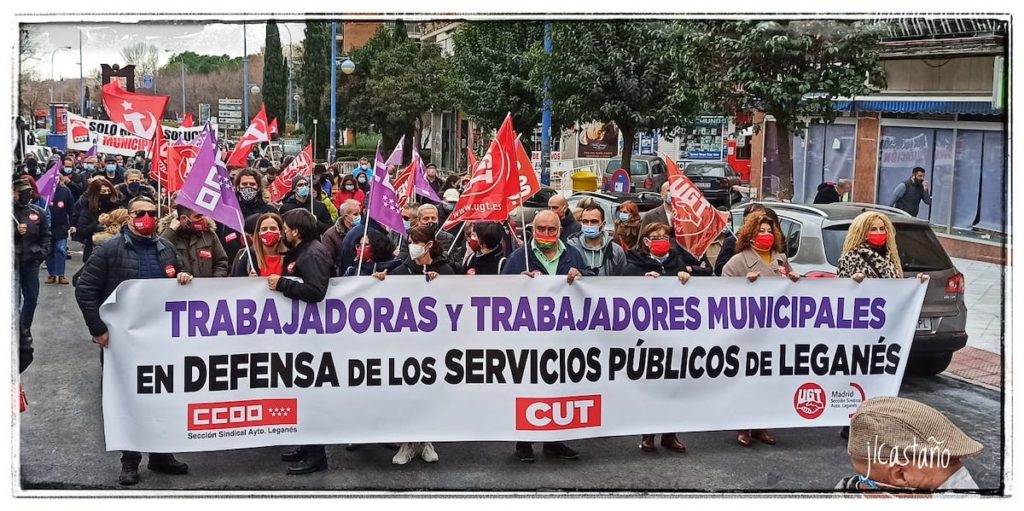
(228, 364)
(113, 139)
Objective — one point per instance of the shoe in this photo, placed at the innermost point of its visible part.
(51, 279)
(63, 280)
(43, 267)
(647, 443)
(743, 437)
(428, 453)
(406, 453)
(763, 436)
(26, 334)
(129, 473)
(560, 450)
(672, 443)
(68, 257)
(352, 447)
(524, 451)
(313, 462)
(166, 464)
(294, 454)
(845, 432)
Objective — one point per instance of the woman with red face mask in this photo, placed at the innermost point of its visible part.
(654, 256)
(760, 251)
(266, 249)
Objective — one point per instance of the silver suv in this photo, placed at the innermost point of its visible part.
(814, 241)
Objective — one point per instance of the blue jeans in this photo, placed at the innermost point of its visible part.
(27, 291)
(56, 260)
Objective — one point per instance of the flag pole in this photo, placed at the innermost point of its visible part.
(522, 216)
(366, 223)
(245, 240)
(456, 237)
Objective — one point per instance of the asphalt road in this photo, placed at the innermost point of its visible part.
(62, 447)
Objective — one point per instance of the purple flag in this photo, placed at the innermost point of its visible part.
(92, 150)
(383, 204)
(207, 189)
(420, 183)
(47, 183)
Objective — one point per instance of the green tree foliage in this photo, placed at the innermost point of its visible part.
(275, 76)
(314, 75)
(201, 64)
(490, 72)
(395, 82)
(628, 72)
(790, 70)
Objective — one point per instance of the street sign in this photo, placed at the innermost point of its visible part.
(229, 102)
(204, 112)
(230, 113)
(147, 81)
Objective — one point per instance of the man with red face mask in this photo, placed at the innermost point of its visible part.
(137, 253)
(195, 239)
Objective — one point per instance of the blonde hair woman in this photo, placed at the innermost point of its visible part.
(870, 250)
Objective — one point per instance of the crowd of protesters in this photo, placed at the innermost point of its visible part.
(321, 230)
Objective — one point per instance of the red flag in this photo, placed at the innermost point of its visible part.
(302, 165)
(179, 162)
(187, 121)
(138, 113)
(258, 131)
(526, 183)
(404, 184)
(158, 158)
(471, 158)
(487, 197)
(696, 222)
(273, 127)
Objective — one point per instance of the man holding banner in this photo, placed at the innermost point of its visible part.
(138, 253)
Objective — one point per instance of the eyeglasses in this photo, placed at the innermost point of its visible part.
(139, 214)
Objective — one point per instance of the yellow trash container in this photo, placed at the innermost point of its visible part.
(584, 181)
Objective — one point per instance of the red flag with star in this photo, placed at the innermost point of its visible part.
(258, 131)
(138, 113)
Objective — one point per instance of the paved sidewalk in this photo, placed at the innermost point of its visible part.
(984, 298)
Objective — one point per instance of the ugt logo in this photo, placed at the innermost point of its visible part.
(809, 401)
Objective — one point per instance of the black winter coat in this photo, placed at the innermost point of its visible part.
(323, 217)
(60, 212)
(827, 194)
(638, 264)
(487, 264)
(310, 263)
(112, 263)
(409, 267)
(34, 245)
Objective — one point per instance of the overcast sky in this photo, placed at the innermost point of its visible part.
(102, 42)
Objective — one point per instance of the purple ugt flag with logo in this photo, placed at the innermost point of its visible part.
(383, 205)
(207, 189)
(420, 183)
(47, 183)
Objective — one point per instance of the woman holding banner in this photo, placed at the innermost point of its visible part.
(760, 250)
(266, 253)
(425, 258)
(870, 252)
(306, 259)
(654, 256)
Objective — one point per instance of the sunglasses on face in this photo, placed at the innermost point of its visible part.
(145, 212)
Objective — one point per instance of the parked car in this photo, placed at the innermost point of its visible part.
(715, 179)
(530, 207)
(646, 173)
(814, 243)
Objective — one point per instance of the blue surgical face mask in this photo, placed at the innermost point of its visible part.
(68, 170)
(89, 166)
(623, 217)
(407, 224)
(591, 232)
(302, 191)
(111, 168)
(357, 221)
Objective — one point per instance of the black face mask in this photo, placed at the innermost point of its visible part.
(287, 242)
(24, 197)
(32, 165)
(133, 188)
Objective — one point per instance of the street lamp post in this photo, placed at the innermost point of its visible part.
(245, 76)
(52, 54)
(545, 129)
(81, 77)
(334, 88)
(288, 115)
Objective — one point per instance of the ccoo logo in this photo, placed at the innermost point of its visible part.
(809, 401)
(242, 414)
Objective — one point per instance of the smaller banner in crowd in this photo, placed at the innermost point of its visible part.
(207, 188)
(302, 165)
(258, 131)
(384, 204)
(107, 137)
(229, 364)
(696, 222)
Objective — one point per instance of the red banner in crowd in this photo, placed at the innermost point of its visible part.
(302, 165)
(493, 181)
(695, 221)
